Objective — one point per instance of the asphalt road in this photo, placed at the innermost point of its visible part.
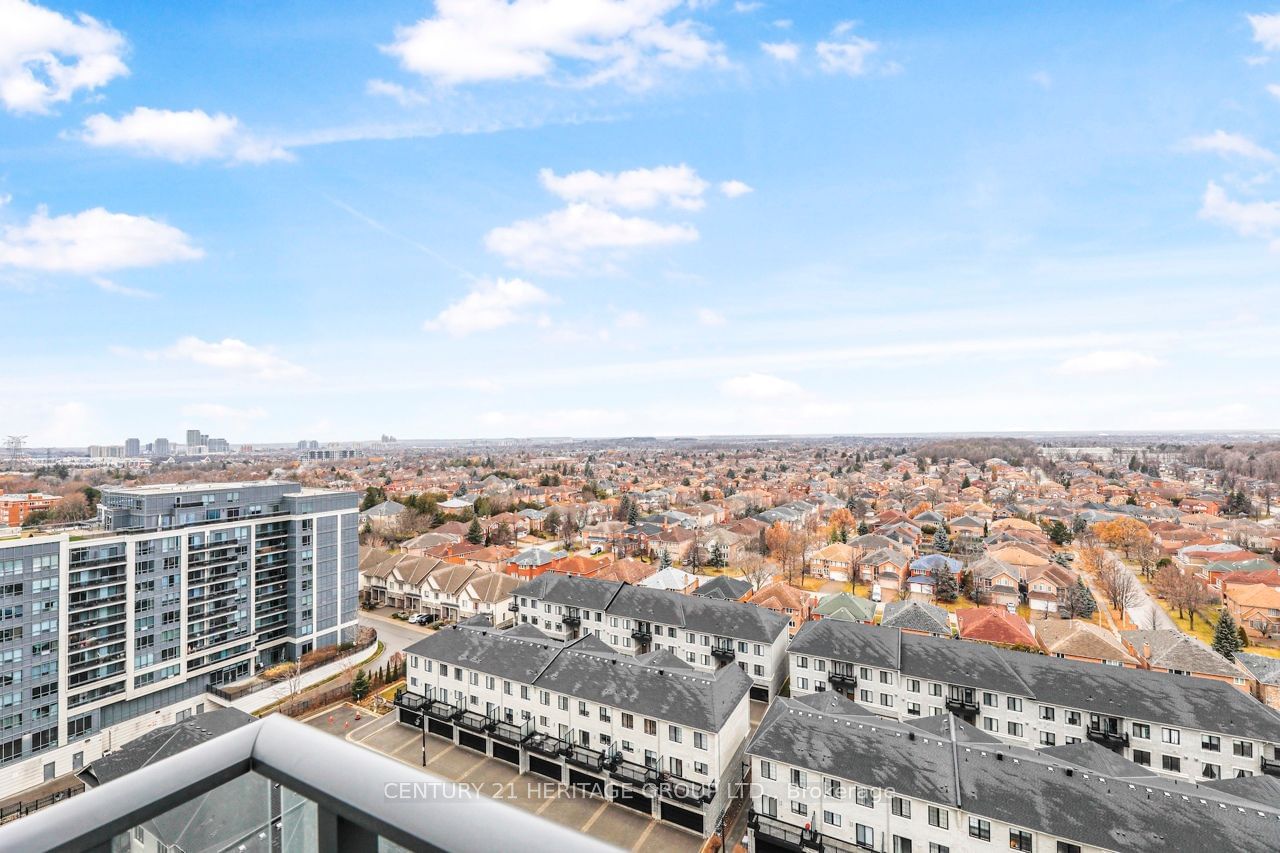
(394, 634)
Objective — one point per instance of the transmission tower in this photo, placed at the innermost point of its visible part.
(15, 443)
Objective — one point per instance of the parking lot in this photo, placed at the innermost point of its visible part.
(610, 823)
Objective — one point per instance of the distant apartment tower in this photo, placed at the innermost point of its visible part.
(106, 451)
(218, 445)
(160, 447)
(195, 438)
(132, 447)
(108, 633)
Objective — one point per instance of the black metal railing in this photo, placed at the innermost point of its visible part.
(843, 679)
(1106, 737)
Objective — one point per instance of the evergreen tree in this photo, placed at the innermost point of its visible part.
(360, 685)
(848, 503)
(863, 530)
(941, 541)
(945, 587)
(664, 558)
(1226, 638)
(717, 558)
(1080, 602)
(966, 483)
(475, 533)
(1059, 534)
(633, 514)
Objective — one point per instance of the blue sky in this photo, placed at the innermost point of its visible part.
(605, 217)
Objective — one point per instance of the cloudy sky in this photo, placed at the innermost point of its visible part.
(619, 217)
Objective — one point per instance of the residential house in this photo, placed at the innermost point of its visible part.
(917, 617)
(1166, 650)
(1077, 639)
(995, 625)
(844, 605)
(792, 602)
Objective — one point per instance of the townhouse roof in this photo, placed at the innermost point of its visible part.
(843, 605)
(1057, 791)
(725, 587)
(701, 700)
(994, 625)
(696, 613)
(1175, 650)
(1081, 639)
(1265, 669)
(1195, 703)
(916, 616)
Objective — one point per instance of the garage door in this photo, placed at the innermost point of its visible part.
(768, 845)
(410, 718)
(509, 754)
(586, 782)
(760, 694)
(436, 727)
(633, 800)
(543, 767)
(472, 741)
(681, 816)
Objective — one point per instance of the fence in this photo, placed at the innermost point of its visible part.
(338, 690)
(25, 807)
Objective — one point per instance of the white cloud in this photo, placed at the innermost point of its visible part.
(1266, 30)
(630, 320)
(585, 41)
(710, 317)
(181, 136)
(108, 286)
(67, 424)
(403, 96)
(1231, 145)
(1108, 361)
(45, 57)
(558, 241)
(1274, 89)
(221, 412)
(1042, 79)
(846, 53)
(634, 189)
(783, 23)
(490, 305)
(746, 8)
(5, 198)
(759, 386)
(733, 189)
(1247, 218)
(783, 51)
(92, 241)
(230, 354)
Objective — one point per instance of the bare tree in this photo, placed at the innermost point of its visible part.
(1119, 585)
(756, 570)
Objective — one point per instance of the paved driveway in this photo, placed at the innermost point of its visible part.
(606, 821)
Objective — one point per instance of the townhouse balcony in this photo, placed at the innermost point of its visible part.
(572, 619)
(636, 775)
(475, 722)
(587, 758)
(781, 834)
(961, 705)
(513, 607)
(723, 652)
(441, 710)
(278, 783)
(1271, 766)
(642, 635)
(1109, 739)
(512, 733)
(548, 745)
(409, 701)
(843, 679)
(686, 790)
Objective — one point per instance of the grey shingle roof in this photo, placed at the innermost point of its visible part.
(1196, 703)
(916, 616)
(702, 700)
(1043, 791)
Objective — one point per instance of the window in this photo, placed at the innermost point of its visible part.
(798, 778)
(1073, 718)
(991, 724)
(833, 788)
(831, 818)
(767, 771)
(913, 709)
(1019, 840)
(699, 740)
(769, 806)
(1142, 757)
(1171, 763)
(1142, 730)
(865, 836)
(991, 700)
(628, 721)
(1211, 771)
(1211, 743)
(913, 685)
(1242, 749)
(939, 817)
(938, 848)
(799, 808)
(1046, 713)
(979, 829)
(651, 727)
(1068, 847)
(1048, 739)
(1013, 703)
(1014, 729)
(901, 845)
(900, 807)
(864, 797)
(1170, 736)
(674, 734)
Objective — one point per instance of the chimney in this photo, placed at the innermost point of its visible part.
(1146, 650)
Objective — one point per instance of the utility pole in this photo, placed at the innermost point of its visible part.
(15, 443)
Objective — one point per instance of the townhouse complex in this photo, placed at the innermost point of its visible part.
(830, 776)
(706, 633)
(1178, 726)
(650, 733)
(108, 632)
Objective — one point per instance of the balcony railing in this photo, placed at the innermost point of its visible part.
(642, 635)
(842, 679)
(635, 774)
(357, 800)
(571, 620)
(686, 790)
(548, 745)
(1109, 739)
(1271, 766)
(723, 653)
(782, 834)
(476, 722)
(960, 705)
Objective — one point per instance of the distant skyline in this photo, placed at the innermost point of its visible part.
(482, 219)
